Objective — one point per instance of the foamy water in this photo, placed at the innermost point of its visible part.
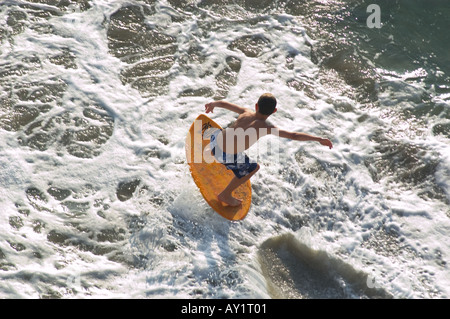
(96, 196)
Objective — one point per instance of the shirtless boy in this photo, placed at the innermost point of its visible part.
(229, 144)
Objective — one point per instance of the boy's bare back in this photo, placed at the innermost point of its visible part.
(245, 131)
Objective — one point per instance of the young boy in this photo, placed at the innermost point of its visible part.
(227, 145)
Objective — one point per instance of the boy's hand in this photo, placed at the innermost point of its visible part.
(326, 142)
(209, 107)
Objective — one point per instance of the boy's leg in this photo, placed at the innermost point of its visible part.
(226, 197)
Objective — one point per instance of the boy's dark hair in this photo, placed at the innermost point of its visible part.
(267, 103)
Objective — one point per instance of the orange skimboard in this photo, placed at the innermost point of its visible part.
(210, 176)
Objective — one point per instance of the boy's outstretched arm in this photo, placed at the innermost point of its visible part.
(209, 107)
(302, 137)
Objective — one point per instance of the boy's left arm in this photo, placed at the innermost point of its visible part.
(209, 107)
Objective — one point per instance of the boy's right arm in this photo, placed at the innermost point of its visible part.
(209, 107)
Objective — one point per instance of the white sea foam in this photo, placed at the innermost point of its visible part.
(165, 241)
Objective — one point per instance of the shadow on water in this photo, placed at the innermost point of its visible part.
(295, 271)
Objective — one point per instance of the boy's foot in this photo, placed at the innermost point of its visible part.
(229, 200)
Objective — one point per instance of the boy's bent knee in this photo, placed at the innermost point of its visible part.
(255, 169)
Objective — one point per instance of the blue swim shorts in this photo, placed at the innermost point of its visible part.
(238, 163)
